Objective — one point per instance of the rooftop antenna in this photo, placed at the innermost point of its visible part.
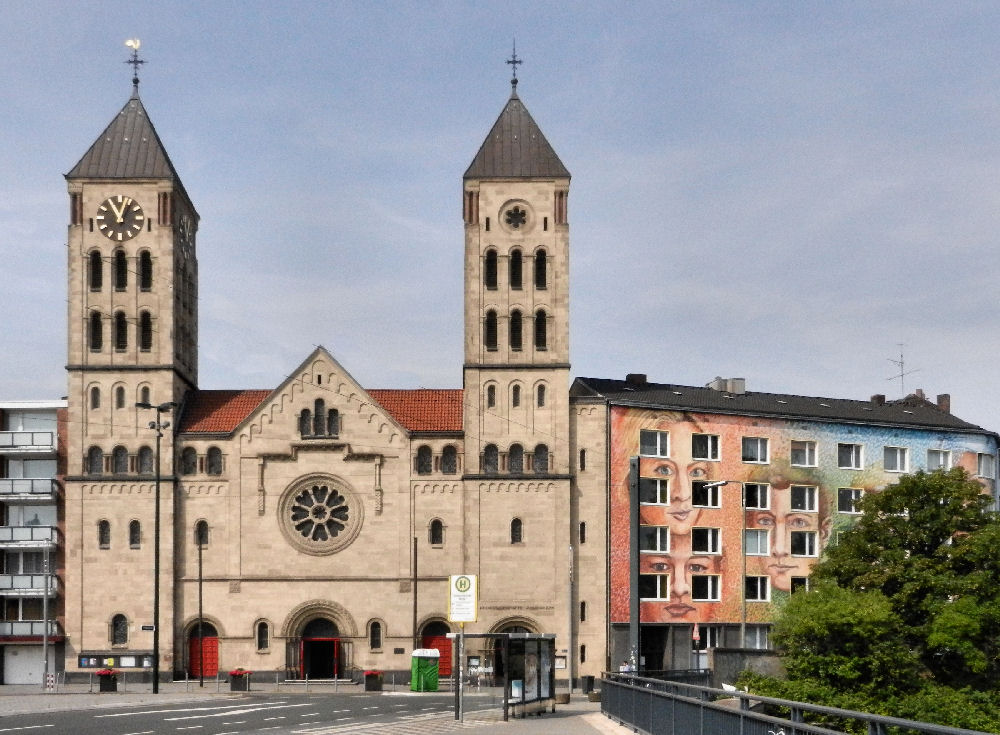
(514, 61)
(135, 61)
(903, 372)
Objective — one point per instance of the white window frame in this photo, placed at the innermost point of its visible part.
(937, 464)
(766, 505)
(755, 444)
(713, 453)
(758, 637)
(709, 540)
(662, 491)
(810, 493)
(713, 591)
(761, 546)
(811, 542)
(804, 584)
(662, 587)
(895, 459)
(661, 535)
(713, 495)
(806, 446)
(757, 581)
(986, 466)
(662, 442)
(857, 458)
(856, 495)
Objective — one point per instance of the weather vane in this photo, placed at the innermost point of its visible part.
(514, 61)
(135, 61)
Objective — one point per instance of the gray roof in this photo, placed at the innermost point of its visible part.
(515, 148)
(913, 411)
(129, 148)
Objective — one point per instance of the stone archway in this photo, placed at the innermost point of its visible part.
(318, 640)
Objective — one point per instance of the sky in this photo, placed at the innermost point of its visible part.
(796, 193)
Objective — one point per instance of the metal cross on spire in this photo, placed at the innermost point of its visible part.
(136, 62)
(514, 61)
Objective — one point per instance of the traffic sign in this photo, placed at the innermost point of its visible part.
(463, 602)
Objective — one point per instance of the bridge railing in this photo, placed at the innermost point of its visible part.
(657, 707)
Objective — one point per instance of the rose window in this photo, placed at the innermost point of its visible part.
(319, 514)
(516, 217)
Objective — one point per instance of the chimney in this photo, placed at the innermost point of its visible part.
(878, 399)
(737, 386)
(944, 402)
(635, 379)
(919, 393)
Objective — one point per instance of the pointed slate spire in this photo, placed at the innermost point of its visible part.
(515, 148)
(129, 148)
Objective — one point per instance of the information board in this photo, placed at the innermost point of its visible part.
(463, 602)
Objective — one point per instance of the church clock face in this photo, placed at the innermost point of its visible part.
(120, 218)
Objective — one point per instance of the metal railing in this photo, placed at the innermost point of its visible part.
(28, 628)
(657, 707)
(37, 488)
(29, 583)
(27, 440)
(39, 536)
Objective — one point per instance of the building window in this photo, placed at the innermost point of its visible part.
(121, 332)
(96, 271)
(96, 332)
(515, 458)
(121, 271)
(134, 535)
(803, 454)
(95, 397)
(705, 541)
(145, 331)
(705, 587)
(213, 461)
(189, 461)
(583, 460)
(583, 653)
(583, 611)
(757, 589)
(201, 533)
(490, 269)
(262, 634)
(799, 584)
(583, 532)
(654, 586)
(703, 496)
(515, 269)
(850, 456)
(144, 394)
(424, 463)
(305, 423)
(375, 636)
(319, 417)
(654, 443)
(515, 330)
(894, 459)
(938, 459)
(654, 539)
(757, 637)
(491, 458)
(515, 396)
(145, 271)
(95, 461)
(804, 543)
(803, 498)
(145, 461)
(104, 534)
(986, 466)
(449, 460)
(847, 499)
(540, 460)
(755, 449)
(756, 541)
(119, 460)
(119, 630)
(654, 492)
(119, 397)
(540, 393)
(705, 446)
(756, 496)
(541, 276)
(491, 396)
(435, 532)
(490, 330)
(516, 531)
(541, 329)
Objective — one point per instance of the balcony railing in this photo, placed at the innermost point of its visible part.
(28, 585)
(23, 441)
(28, 628)
(29, 536)
(34, 489)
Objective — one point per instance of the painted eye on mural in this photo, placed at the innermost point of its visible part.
(664, 469)
(798, 522)
(697, 472)
(696, 568)
(659, 566)
(765, 521)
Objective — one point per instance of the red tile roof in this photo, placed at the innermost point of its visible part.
(423, 409)
(219, 411)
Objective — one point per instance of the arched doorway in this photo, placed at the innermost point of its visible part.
(435, 635)
(498, 646)
(320, 654)
(203, 650)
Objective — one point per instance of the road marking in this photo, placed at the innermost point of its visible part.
(244, 711)
(184, 709)
(310, 714)
(147, 732)
(26, 727)
(191, 727)
(280, 717)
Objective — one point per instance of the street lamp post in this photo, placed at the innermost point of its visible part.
(158, 425)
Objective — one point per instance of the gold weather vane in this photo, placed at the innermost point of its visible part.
(135, 61)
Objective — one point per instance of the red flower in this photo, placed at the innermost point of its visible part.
(107, 672)
(240, 671)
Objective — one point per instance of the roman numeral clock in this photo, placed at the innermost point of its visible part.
(120, 218)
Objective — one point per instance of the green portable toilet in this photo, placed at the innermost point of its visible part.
(424, 670)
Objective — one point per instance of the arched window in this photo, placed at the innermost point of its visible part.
(541, 277)
(119, 460)
(305, 423)
(515, 330)
(95, 397)
(119, 630)
(96, 332)
(145, 331)
(121, 270)
(96, 271)
(424, 464)
(540, 330)
(134, 535)
(583, 611)
(375, 635)
(449, 460)
(491, 396)
(189, 461)
(104, 534)
(213, 461)
(491, 458)
(490, 269)
(145, 461)
(95, 461)
(144, 394)
(540, 463)
(121, 332)
(145, 271)
(583, 532)
(515, 458)
(541, 396)
(119, 397)
(515, 269)
(515, 396)
(516, 531)
(319, 417)
(263, 636)
(332, 422)
(435, 532)
(201, 533)
(490, 330)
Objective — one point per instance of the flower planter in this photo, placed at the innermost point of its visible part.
(108, 682)
(373, 681)
(239, 683)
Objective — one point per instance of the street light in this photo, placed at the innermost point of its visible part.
(743, 549)
(158, 425)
